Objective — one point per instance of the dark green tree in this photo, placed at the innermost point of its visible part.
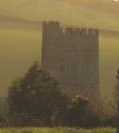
(36, 98)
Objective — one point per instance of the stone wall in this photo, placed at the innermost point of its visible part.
(71, 55)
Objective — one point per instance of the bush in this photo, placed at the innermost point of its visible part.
(35, 99)
(81, 112)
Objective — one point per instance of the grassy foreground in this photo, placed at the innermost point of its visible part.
(56, 130)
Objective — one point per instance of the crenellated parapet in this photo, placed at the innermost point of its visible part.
(81, 32)
(70, 31)
(51, 24)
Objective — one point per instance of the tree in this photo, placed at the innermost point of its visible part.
(82, 112)
(36, 98)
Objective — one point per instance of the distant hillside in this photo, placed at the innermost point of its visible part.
(10, 22)
(13, 22)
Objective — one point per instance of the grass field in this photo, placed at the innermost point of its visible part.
(56, 130)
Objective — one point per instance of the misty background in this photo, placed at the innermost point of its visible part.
(21, 36)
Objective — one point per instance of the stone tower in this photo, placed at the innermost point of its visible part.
(71, 55)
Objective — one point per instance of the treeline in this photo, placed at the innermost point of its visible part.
(37, 100)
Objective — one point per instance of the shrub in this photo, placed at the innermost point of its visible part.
(81, 112)
(36, 98)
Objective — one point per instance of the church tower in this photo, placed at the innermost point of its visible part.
(71, 55)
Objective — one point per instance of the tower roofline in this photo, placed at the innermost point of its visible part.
(73, 30)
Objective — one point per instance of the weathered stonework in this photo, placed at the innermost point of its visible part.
(71, 55)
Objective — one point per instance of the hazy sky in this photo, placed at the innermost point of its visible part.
(103, 13)
(19, 48)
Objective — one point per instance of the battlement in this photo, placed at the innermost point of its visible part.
(71, 31)
(81, 31)
(51, 22)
